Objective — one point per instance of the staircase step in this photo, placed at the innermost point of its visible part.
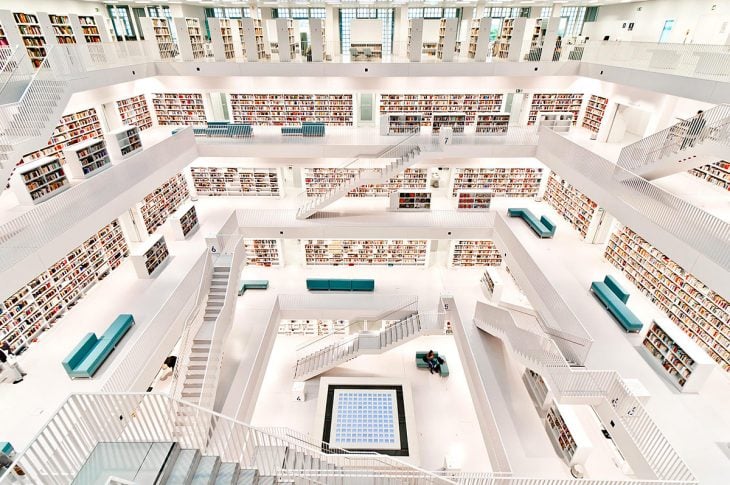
(227, 474)
(184, 468)
(206, 470)
(248, 476)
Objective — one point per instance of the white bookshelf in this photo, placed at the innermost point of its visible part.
(504, 38)
(39, 180)
(688, 302)
(580, 211)
(158, 205)
(288, 109)
(479, 34)
(89, 29)
(135, 111)
(447, 39)
(554, 103)
(86, 159)
(558, 122)
(38, 304)
(221, 39)
(503, 182)
(286, 39)
(236, 181)
(157, 33)
(31, 34)
(401, 123)
(179, 108)
(72, 128)
(318, 181)
(150, 257)
(57, 28)
(410, 200)
(474, 252)
(367, 252)
(594, 113)
(184, 221)
(317, 40)
(253, 35)
(474, 200)
(427, 104)
(263, 252)
(538, 390)
(676, 356)
(456, 121)
(567, 434)
(492, 284)
(716, 173)
(492, 124)
(190, 38)
(124, 142)
(415, 39)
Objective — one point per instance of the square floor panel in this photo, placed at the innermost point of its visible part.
(365, 419)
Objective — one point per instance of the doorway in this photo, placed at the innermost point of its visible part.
(366, 115)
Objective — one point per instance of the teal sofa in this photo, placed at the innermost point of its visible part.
(252, 285)
(307, 128)
(421, 364)
(86, 358)
(614, 298)
(224, 129)
(321, 284)
(543, 226)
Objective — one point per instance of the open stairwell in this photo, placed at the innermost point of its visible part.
(26, 124)
(700, 140)
(403, 156)
(313, 363)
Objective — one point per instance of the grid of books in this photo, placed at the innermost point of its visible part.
(134, 111)
(89, 29)
(72, 129)
(473, 38)
(291, 43)
(570, 203)
(442, 46)
(43, 177)
(471, 252)
(128, 140)
(313, 327)
(3, 38)
(188, 221)
(409, 200)
(163, 37)
(492, 124)
(158, 205)
(715, 173)
(62, 29)
(474, 199)
(501, 44)
(554, 103)
(673, 359)
(179, 108)
(427, 104)
(403, 123)
(40, 302)
(197, 41)
(696, 309)
(351, 252)
(457, 121)
(504, 182)
(262, 252)
(595, 109)
(252, 38)
(156, 255)
(318, 181)
(284, 109)
(90, 156)
(560, 433)
(227, 36)
(32, 36)
(236, 181)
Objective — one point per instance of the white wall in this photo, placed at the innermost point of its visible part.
(55, 6)
(366, 31)
(695, 21)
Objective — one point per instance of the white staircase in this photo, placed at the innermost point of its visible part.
(28, 123)
(402, 155)
(329, 355)
(700, 140)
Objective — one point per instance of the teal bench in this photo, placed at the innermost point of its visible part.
(421, 364)
(6, 448)
(291, 130)
(86, 358)
(543, 227)
(614, 298)
(308, 128)
(322, 284)
(252, 285)
(223, 129)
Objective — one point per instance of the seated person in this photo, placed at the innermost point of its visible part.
(434, 362)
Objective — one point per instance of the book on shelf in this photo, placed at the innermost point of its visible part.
(157, 30)
(474, 200)
(135, 111)
(184, 221)
(124, 142)
(456, 121)
(697, 310)
(150, 256)
(87, 158)
(408, 200)
(555, 103)
(715, 173)
(574, 206)
(319, 181)
(72, 128)
(292, 109)
(595, 110)
(538, 390)
(179, 108)
(427, 104)
(492, 284)
(503, 182)
(492, 124)
(263, 252)
(474, 252)
(157, 206)
(38, 304)
(369, 252)
(567, 434)
(236, 181)
(39, 180)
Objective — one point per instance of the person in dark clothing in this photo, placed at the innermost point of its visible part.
(5, 347)
(434, 362)
(694, 130)
(8, 369)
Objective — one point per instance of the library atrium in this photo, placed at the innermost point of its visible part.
(375, 242)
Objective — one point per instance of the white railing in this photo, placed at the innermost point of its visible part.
(191, 326)
(589, 172)
(711, 125)
(140, 359)
(233, 256)
(24, 235)
(591, 387)
(558, 320)
(61, 448)
(691, 60)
